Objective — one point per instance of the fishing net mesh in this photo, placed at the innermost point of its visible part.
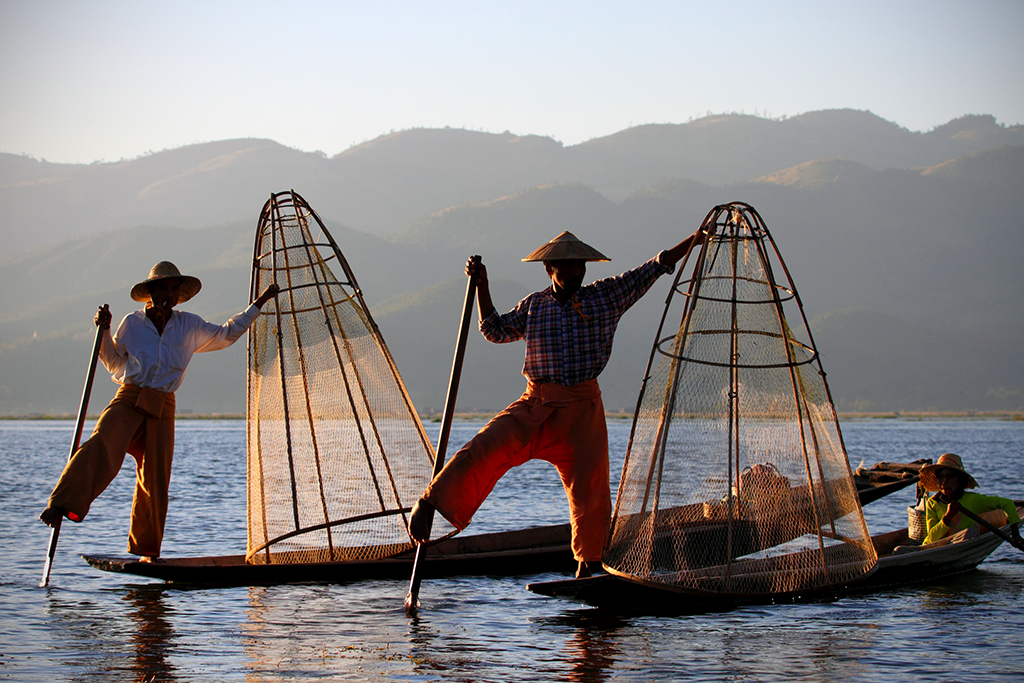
(736, 479)
(336, 451)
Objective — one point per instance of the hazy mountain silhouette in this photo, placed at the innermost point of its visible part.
(913, 368)
(904, 247)
(382, 185)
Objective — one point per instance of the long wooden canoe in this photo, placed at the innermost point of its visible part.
(508, 553)
(884, 478)
(899, 564)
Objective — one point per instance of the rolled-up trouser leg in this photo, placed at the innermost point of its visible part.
(459, 490)
(97, 461)
(563, 425)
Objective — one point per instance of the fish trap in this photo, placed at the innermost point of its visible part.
(336, 451)
(736, 480)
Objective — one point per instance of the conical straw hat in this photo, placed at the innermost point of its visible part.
(190, 286)
(946, 460)
(566, 246)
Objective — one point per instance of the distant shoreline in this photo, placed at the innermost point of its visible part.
(436, 417)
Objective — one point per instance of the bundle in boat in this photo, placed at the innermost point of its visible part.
(336, 451)
(736, 479)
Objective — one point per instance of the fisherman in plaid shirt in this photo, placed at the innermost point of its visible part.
(568, 329)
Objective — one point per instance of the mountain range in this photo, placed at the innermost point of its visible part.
(904, 247)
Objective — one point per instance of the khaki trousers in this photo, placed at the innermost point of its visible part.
(140, 422)
(562, 425)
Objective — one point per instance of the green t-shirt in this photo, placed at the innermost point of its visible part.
(975, 502)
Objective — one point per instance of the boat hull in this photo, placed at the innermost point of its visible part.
(899, 564)
(526, 551)
(925, 564)
(509, 553)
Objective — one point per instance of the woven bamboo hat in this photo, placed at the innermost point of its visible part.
(946, 460)
(190, 286)
(566, 246)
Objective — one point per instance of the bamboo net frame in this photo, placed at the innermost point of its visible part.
(736, 479)
(336, 451)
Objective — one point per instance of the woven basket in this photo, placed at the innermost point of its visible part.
(916, 528)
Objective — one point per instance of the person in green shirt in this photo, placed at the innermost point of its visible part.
(943, 510)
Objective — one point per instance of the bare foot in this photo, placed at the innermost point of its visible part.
(149, 559)
(52, 516)
(421, 521)
(586, 569)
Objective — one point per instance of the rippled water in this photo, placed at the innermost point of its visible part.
(94, 626)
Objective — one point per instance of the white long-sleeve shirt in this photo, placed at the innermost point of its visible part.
(138, 354)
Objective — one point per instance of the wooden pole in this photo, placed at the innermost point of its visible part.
(82, 408)
(412, 602)
(1015, 542)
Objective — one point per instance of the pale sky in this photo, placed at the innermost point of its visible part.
(104, 80)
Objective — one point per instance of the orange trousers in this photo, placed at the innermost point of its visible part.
(562, 425)
(139, 422)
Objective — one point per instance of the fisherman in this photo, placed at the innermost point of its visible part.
(568, 330)
(942, 511)
(147, 356)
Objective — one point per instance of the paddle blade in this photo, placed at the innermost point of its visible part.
(50, 552)
(412, 605)
(412, 602)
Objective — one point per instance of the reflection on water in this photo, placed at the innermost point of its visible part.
(151, 633)
(81, 628)
(591, 654)
(592, 644)
(95, 626)
(128, 636)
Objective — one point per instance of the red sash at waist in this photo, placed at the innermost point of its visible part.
(559, 393)
(150, 401)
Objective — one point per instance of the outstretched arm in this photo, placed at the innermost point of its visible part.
(483, 291)
(211, 337)
(671, 256)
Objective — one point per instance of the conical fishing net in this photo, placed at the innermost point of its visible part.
(736, 479)
(337, 453)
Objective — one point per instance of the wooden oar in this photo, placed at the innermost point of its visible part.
(1015, 542)
(82, 408)
(412, 602)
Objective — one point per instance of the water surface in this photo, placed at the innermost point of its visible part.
(94, 626)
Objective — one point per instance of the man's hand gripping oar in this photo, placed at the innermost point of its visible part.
(102, 321)
(412, 602)
(1014, 540)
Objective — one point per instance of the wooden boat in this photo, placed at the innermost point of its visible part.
(508, 553)
(899, 564)
(886, 477)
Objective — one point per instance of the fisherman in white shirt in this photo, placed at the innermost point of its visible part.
(147, 356)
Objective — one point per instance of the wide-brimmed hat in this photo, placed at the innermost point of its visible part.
(566, 246)
(946, 460)
(190, 286)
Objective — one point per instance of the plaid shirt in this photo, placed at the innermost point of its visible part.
(571, 343)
